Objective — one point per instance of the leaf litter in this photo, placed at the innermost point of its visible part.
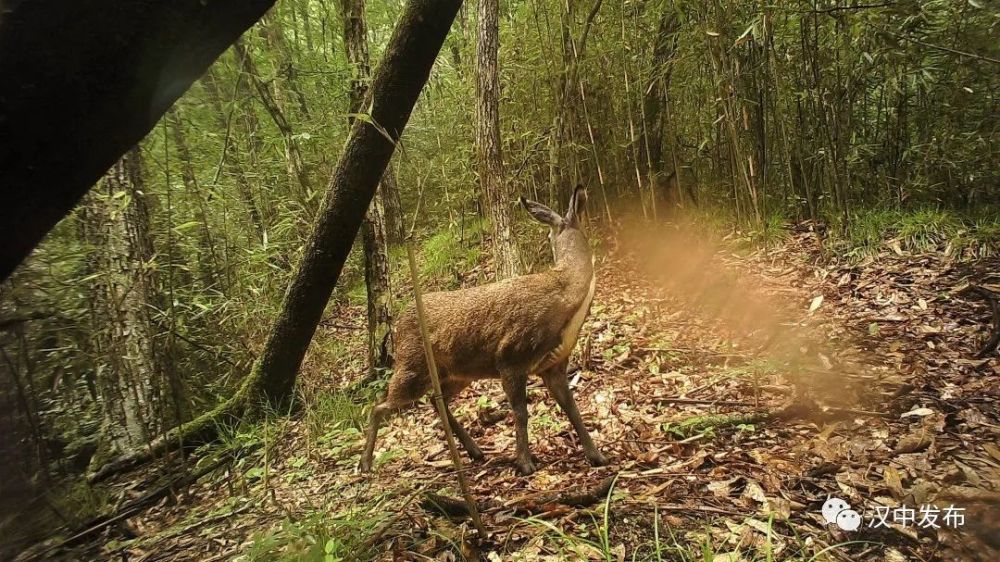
(734, 389)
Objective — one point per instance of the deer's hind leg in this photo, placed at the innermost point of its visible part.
(450, 389)
(515, 386)
(405, 388)
(558, 384)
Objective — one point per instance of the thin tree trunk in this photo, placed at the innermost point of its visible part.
(271, 30)
(208, 260)
(293, 156)
(653, 106)
(496, 192)
(373, 229)
(230, 154)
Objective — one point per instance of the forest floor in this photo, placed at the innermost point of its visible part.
(734, 389)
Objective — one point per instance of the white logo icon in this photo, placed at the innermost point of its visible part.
(832, 507)
(849, 520)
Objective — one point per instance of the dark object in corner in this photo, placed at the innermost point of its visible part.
(84, 81)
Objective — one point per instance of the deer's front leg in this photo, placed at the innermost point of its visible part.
(558, 385)
(514, 385)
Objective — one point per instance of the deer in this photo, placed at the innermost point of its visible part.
(508, 330)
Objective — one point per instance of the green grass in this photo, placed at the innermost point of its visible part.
(773, 230)
(925, 229)
(972, 234)
(708, 424)
(338, 410)
(579, 546)
(318, 537)
(445, 252)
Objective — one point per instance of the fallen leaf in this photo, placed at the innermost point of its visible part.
(893, 482)
(993, 450)
(913, 443)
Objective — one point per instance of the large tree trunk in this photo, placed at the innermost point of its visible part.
(403, 72)
(78, 72)
(496, 193)
(130, 380)
(373, 229)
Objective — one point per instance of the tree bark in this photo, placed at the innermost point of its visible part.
(74, 72)
(373, 229)
(404, 70)
(271, 29)
(130, 382)
(496, 193)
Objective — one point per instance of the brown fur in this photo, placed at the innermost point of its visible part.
(505, 330)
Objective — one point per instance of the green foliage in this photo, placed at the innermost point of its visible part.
(451, 251)
(708, 424)
(923, 229)
(338, 411)
(317, 537)
(773, 230)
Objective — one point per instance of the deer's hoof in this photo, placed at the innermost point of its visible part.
(525, 466)
(365, 466)
(597, 459)
(475, 454)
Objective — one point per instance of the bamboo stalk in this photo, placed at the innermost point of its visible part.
(439, 396)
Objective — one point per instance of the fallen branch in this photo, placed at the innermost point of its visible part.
(447, 506)
(548, 502)
(586, 498)
(373, 539)
(729, 403)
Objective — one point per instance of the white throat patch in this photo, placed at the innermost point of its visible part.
(571, 331)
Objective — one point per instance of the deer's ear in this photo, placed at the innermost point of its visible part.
(541, 213)
(577, 205)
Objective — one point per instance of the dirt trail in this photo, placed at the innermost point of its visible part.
(734, 393)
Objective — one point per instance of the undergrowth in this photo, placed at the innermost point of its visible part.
(918, 230)
(965, 235)
(319, 536)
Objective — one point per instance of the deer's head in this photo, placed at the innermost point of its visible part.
(565, 232)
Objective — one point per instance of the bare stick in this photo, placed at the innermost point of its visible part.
(439, 396)
(729, 403)
(938, 47)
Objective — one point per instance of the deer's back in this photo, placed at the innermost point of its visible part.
(479, 331)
